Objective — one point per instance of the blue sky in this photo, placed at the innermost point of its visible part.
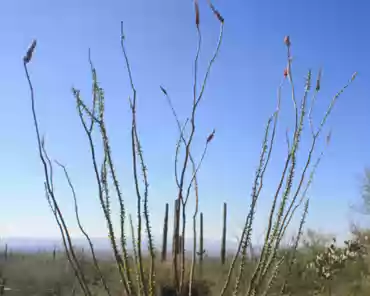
(240, 95)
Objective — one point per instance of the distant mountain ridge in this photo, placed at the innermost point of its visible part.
(34, 245)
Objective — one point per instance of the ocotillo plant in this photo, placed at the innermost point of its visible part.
(94, 117)
(285, 201)
(223, 238)
(165, 232)
(283, 209)
(180, 173)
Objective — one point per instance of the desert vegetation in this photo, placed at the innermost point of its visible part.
(300, 265)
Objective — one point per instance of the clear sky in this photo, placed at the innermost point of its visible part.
(241, 94)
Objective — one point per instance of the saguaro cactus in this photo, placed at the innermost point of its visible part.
(223, 239)
(6, 252)
(181, 244)
(165, 231)
(201, 247)
(175, 240)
